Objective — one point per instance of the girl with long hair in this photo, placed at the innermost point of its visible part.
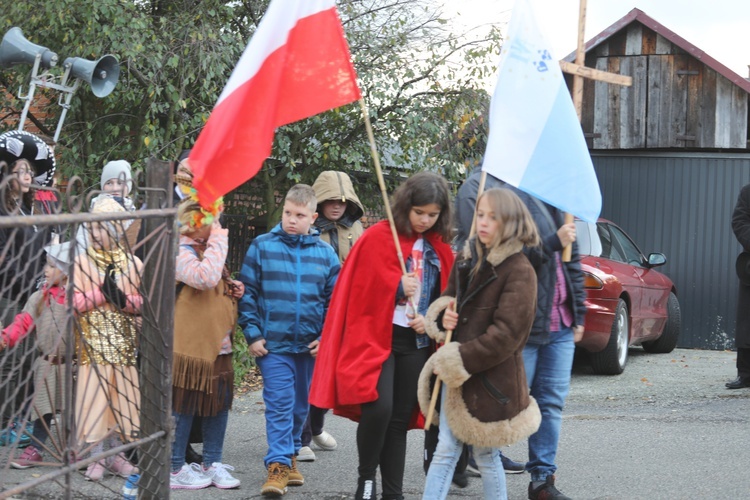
(373, 344)
(485, 398)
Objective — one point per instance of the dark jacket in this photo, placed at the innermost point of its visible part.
(548, 220)
(22, 257)
(466, 200)
(741, 228)
(487, 401)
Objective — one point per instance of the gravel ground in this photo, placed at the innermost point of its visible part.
(665, 429)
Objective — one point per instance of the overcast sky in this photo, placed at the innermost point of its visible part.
(720, 28)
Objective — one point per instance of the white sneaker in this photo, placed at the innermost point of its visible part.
(188, 478)
(325, 441)
(219, 475)
(306, 454)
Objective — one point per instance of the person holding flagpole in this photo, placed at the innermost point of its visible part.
(489, 304)
(465, 203)
(374, 344)
(558, 325)
(536, 145)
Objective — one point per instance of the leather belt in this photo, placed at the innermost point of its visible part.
(54, 360)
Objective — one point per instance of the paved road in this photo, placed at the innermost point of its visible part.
(665, 429)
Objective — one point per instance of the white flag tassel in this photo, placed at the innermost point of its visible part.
(535, 142)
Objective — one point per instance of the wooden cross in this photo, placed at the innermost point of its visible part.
(579, 72)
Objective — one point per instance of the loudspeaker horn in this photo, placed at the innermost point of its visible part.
(16, 49)
(101, 74)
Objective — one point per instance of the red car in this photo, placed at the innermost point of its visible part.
(629, 303)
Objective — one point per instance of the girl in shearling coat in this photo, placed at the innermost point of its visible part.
(485, 399)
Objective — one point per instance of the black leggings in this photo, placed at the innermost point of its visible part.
(381, 434)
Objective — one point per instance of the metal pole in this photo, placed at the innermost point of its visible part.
(32, 88)
(157, 336)
(65, 107)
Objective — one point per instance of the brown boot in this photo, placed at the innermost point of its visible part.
(295, 476)
(278, 478)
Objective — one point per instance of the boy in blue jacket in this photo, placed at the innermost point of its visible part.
(288, 275)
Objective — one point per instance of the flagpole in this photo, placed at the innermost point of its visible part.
(381, 182)
(449, 333)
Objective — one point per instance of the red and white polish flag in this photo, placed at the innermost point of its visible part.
(296, 65)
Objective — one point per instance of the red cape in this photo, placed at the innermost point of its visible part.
(356, 337)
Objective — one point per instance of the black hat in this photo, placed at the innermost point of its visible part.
(743, 268)
(18, 144)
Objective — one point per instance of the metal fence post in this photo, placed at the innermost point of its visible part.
(156, 344)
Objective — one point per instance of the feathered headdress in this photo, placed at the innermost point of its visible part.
(201, 216)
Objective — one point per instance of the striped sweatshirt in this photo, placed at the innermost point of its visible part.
(288, 284)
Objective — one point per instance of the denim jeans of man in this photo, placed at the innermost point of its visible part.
(446, 456)
(213, 428)
(286, 387)
(548, 369)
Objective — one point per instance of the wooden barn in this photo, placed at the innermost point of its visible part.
(671, 153)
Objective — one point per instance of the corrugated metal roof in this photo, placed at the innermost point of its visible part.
(651, 23)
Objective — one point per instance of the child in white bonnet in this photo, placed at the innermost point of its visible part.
(116, 180)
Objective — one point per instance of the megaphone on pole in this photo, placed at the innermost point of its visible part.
(101, 74)
(16, 49)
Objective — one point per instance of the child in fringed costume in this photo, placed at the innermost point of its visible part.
(108, 303)
(205, 318)
(45, 315)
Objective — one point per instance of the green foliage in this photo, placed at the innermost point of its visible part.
(174, 58)
(420, 81)
(241, 360)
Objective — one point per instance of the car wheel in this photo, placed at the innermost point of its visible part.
(671, 334)
(611, 360)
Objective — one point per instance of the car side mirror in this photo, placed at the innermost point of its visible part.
(656, 259)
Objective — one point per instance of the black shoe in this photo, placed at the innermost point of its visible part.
(366, 489)
(511, 466)
(460, 479)
(738, 383)
(545, 490)
(471, 468)
(192, 456)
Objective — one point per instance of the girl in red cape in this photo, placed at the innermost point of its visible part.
(373, 345)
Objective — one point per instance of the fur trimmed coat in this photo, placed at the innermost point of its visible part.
(487, 399)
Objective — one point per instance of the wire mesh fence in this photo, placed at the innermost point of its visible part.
(87, 310)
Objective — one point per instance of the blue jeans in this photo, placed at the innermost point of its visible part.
(446, 456)
(286, 387)
(548, 369)
(214, 428)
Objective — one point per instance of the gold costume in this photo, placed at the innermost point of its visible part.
(108, 336)
(108, 394)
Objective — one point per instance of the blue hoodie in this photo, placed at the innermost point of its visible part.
(288, 282)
